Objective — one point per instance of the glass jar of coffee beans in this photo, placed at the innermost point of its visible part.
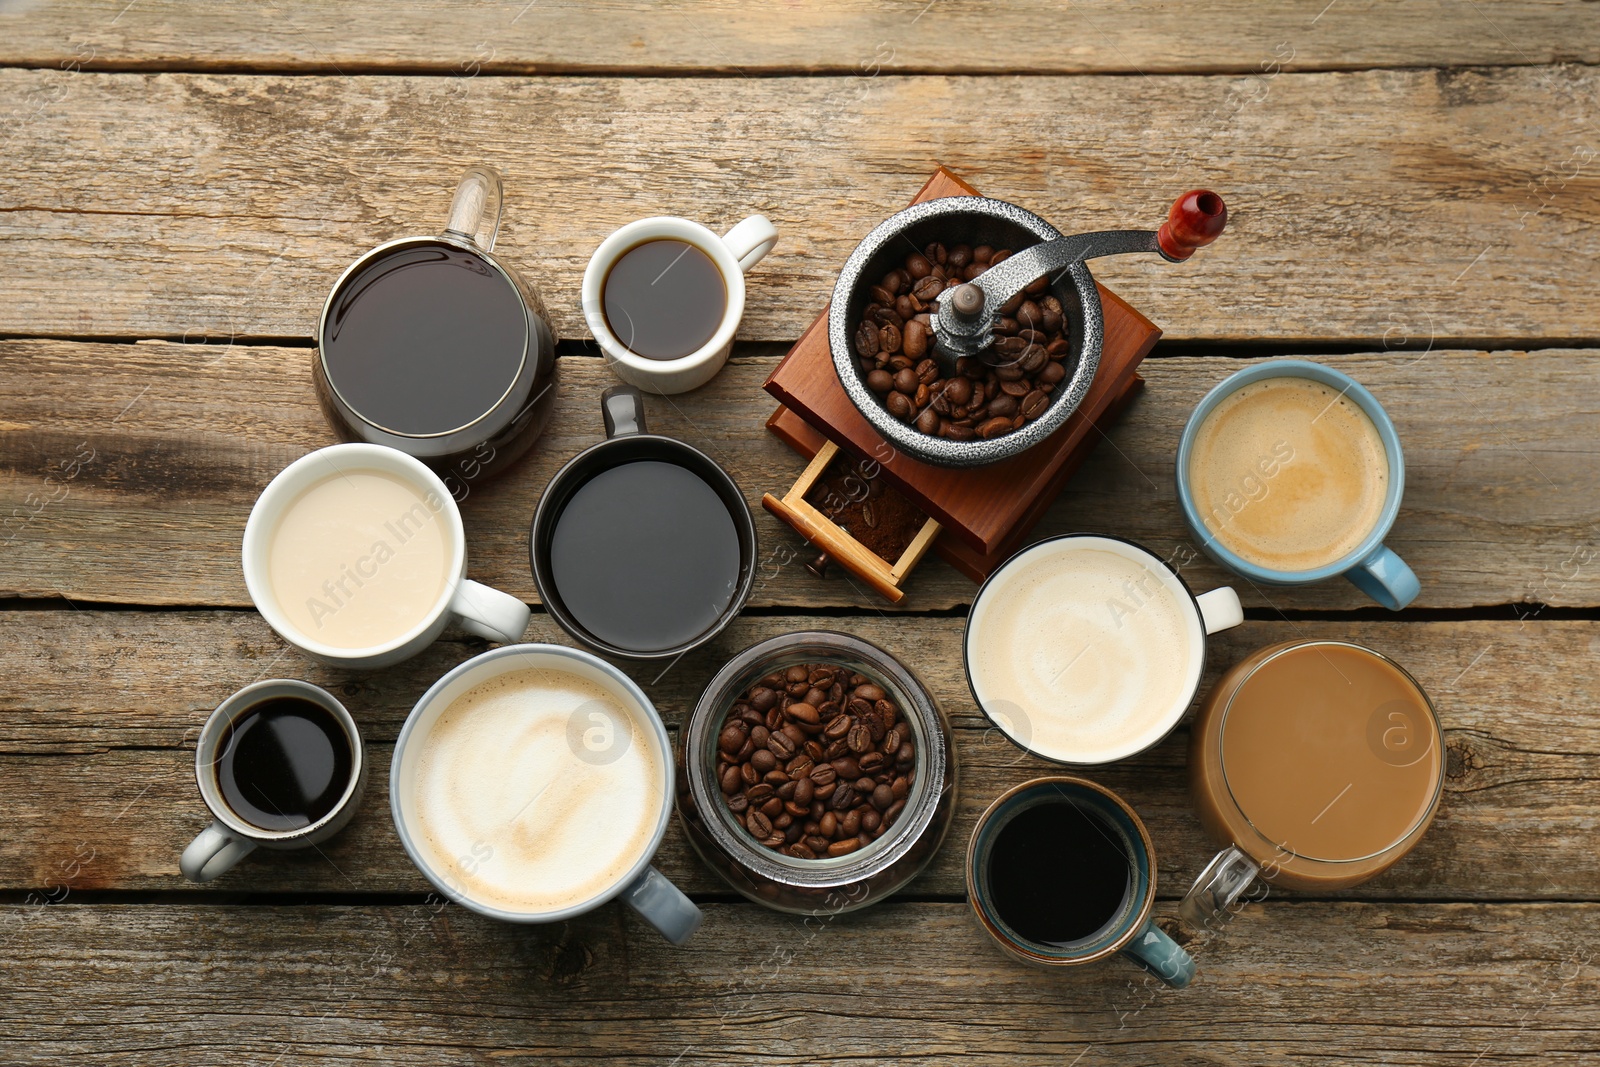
(998, 391)
(817, 773)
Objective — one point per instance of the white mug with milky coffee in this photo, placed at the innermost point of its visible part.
(533, 783)
(356, 554)
(1086, 649)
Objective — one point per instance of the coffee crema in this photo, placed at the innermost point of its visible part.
(1288, 474)
(1082, 652)
(359, 558)
(536, 790)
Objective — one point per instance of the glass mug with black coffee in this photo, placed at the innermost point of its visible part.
(434, 346)
(280, 765)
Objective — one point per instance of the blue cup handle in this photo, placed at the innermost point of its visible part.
(1384, 577)
(1157, 953)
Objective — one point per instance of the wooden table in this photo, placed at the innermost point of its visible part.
(1414, 200)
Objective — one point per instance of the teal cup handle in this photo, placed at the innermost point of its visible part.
(1386, 578)
(1157, 953)
(1371, 566)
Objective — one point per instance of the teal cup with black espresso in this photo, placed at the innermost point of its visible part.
(1290, 472)
(1061, 872)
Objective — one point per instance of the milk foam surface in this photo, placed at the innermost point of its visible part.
(1288, 474)
(359, 558)
(509, 813)
(1085, 650)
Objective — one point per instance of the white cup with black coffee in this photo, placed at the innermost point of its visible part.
(663, 297)
(356, 554)
(533, 783)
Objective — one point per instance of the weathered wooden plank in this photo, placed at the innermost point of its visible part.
(847, 36)
(1501, 504)
(905, 983)
(102, 708)
(1372, 206)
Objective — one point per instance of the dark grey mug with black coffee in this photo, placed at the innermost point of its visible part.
(642, 547)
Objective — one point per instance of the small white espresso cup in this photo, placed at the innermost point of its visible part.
(230, 838)
(734, 253)
(475, 607)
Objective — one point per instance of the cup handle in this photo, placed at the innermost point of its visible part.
(1157, 953)
(1220, 609)
(663, 906)
(1386, 578)
(751, 240)
(622, 408)
(212, 853)
(1214, 897)
(476, 208)
(489, 612)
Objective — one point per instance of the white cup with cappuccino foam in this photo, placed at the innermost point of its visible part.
(356, 554)
(1086, 649)
(533, 783)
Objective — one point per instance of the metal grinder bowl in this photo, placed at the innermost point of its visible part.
(974, 220)
(1194, 220)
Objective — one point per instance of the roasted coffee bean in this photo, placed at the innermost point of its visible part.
(928, 421)
(797, 794)
(867, 339)
(1004, 406)
(894, 811)
(843, 848)
(880, 381)
(1033, 404)
(899, 405)
(917, 265)
(800, 851)
(925, 289)
(880, 295)
(994, 428)
(1052, 373)
(914, 339)
(896, 281)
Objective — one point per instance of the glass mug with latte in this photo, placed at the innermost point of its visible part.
(356, 554)
(1290, 472)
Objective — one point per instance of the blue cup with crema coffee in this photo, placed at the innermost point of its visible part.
(1061, 872)
(1290, 472)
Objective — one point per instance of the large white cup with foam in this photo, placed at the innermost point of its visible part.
(533, 783)
(733, 254)
(356, 554)
(1085, 649)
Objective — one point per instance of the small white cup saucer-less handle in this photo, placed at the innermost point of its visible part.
(475, 607)
(734, 253)
(229, 838)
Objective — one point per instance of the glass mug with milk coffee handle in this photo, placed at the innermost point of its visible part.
(1290, 472)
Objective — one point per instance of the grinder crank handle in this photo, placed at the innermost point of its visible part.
(964, 316)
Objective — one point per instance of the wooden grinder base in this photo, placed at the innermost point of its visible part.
(977, 517)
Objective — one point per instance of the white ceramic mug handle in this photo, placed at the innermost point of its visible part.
(751, 240)
(212, 852)
(1220, 609)
(489, 612)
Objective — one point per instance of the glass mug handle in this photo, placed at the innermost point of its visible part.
(1214, 897)
(476, 208)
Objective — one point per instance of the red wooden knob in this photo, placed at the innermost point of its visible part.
(1196, 218)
